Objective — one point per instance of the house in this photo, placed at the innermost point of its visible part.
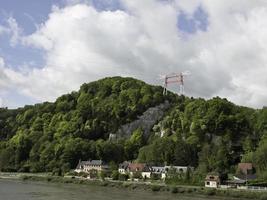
(245, 172)
(87, 166)
(139, 168)
(136, 167)
(235, 183)
(123, 167)
(159, 171)
(245, 168)
(212, 181)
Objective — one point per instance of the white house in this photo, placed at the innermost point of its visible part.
(160, 171)
(86, 166)
(123, 167)
(212, 181)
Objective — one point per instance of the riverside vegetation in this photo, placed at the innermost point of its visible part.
(209, 135)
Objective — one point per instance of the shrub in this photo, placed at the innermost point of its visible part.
(123, 177)
(263, 197)
(155, 188)
(180, 190)
(174, 190)
(210, 192)
(115, 175)
(104, 184)
(83, 174)
(24, 178)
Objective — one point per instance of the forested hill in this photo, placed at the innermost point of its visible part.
(56, 135)
(212, 135)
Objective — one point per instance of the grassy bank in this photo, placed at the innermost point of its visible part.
(230, 193)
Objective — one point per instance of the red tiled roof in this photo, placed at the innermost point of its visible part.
(133, 167)
(245, 168)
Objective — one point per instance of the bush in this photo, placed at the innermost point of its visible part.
(125, 185)
(174, 190)
(24, 178)
(83, 174)
(104, 184)
(263, 197)
(181, 190)
(123, 177)
(210, 192)
(155, 188)
(115, 175)
(137, 175)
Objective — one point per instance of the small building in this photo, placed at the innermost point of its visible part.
(245, 168)
(139, 168)
(136, 167)
(159, 171)
(235, 183)
(245, 172)
(212, 181)
(87, 166)
(123, 167)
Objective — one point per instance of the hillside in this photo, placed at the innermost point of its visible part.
(56, 135)
(211, 135)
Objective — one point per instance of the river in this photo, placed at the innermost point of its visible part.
(24, 190)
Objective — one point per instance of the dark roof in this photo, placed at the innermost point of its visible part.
(91, 163)
(246, 177)
(157, 169)
(211, 177)
(124, 165)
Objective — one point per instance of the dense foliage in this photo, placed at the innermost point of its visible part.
(210, 135)
(54, 136)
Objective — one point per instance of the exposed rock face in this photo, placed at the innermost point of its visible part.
(145, 122)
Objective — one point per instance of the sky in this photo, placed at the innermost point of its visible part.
(49, 48)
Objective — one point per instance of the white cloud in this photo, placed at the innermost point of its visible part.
(82, 44)
(4, 81)
(14, 30)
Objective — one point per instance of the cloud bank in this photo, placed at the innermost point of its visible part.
(80, 43)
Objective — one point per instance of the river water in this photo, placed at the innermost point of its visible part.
(20, 190)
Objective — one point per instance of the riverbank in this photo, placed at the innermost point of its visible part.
(141, 186)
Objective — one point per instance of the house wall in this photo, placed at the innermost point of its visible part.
(211, 184)
(122, 171)
(87, 168)
(146, 174)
